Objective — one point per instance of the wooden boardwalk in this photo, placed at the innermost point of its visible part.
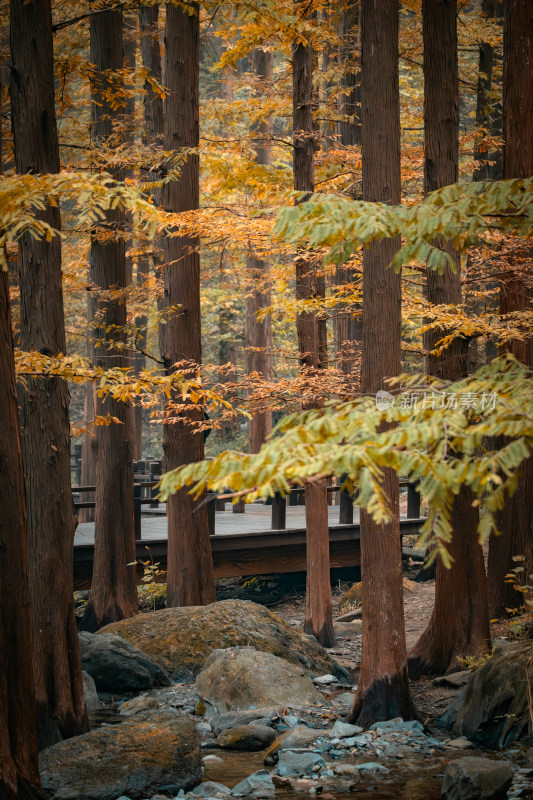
(243, 544)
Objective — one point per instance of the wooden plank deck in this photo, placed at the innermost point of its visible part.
(243, 544)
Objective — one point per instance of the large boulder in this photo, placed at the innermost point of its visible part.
(136, 758)
(476, 779)
(118, 666)
(492, 709)
(181, 639)
(240, 678)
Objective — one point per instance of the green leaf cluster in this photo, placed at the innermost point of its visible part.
(444, 440)
(462, 213)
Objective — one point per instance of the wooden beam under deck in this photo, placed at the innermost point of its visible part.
(251, 553)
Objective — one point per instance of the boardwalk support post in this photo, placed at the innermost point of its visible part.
(279, 506)
(137, 497)
(413, 500)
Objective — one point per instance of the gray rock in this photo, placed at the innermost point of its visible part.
(346, 769)
(350, 616)
(476, 779)
(462, 743)
(371, 766)
(343, 729)
(210, 789)
(454, 680)
(362, 740)
(137, 758)
(343, 702)
(259, 784)
(291, 720)
(212, 759)
(146, 704)
(293, 763)
(89, 690)
(117, 666)
(324, 680)
(242, 678)
(246, 737)
(300, 737)
(492, 709)
(232, 719)
(398, 724)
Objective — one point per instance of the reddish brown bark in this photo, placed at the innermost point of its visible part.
(190, 565)
(515, 521)
(312, 346)
(19, 769)
(460, 622)
(383, 687)
(488, 112)
(347, 322)
(152, 135)
(60, 703)
(114, 587)
(258, 333)
(151, 59)
(349, 102)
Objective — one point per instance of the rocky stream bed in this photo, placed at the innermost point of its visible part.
(232, 700)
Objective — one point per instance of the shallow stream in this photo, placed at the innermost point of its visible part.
(415, 779)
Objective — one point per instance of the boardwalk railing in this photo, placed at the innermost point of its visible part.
(143, 494)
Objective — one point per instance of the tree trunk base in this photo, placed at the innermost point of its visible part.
(384, 699)
(325, 636)
(92, 622)
(24, 791)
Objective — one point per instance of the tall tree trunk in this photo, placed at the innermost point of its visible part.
(515, 521)
(60, 703)
(19, 769)
(152, 136)
(190, 564)
(151, 59)
(488, 114)
(258, 334)
(114, 584)
(383, 689)
(460, 621)
(129, 48)
(349, 103)
(311, 330)
(346, 326)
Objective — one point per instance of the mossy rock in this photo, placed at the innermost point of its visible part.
(136, 758)
(354, 595)
(181, 639)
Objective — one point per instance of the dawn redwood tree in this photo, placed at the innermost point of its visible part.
(349, 102)
(19, 769)
(346, 325)
(152, 136)
(258, 333)
(383, 688)
(44, 402)
(311, 329)
(488, 112)
(459, 624)
(114, 584)
(190, 565)
(515, 521)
